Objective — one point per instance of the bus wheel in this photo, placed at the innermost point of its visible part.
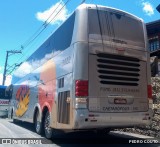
(38, 124)
(47, 128)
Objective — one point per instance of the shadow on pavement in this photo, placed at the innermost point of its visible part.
(86, 138)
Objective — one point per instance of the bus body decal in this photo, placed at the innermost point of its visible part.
(22, 96)
(48, 83)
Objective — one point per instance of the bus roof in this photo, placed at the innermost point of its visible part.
(100, 7)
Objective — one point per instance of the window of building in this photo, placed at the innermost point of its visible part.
(154, 43)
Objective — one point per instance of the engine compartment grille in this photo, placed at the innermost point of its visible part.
(118, 69)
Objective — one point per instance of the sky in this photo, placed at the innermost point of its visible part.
(26, 24)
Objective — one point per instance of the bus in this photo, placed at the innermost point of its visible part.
(92, 73)
(4, 102)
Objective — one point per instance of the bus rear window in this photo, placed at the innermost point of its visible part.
(115, 25)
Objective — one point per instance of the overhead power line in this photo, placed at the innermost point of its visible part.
(46, 24)
(40, 30)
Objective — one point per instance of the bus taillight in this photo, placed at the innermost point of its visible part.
(81, 88)
(150, 91)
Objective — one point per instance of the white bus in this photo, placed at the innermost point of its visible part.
(93, 72)
(4, 102)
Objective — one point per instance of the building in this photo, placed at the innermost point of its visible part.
(153, 32)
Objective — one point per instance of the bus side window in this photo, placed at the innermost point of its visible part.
(63, 35)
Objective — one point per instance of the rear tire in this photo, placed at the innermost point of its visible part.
(37, 124)
(47, 129)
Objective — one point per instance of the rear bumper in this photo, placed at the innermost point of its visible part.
(90, 120)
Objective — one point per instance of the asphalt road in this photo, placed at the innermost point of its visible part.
(23, 132)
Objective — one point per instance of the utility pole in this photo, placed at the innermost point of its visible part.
(6, 62)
